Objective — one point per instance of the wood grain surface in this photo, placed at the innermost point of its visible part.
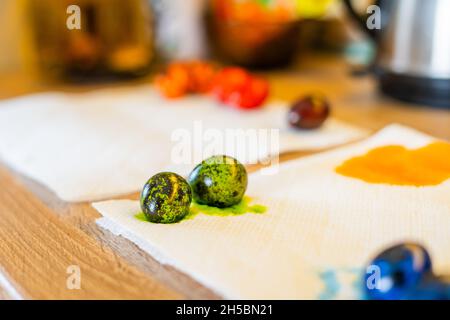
(41, 236)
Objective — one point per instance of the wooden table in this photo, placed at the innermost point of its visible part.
(40, 236)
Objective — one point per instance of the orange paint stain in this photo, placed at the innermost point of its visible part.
(396, 165)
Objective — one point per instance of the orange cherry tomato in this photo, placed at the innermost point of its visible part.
(186, 77)
(202, 76)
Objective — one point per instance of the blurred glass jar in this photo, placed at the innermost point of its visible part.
(180, 32)
(115, 38)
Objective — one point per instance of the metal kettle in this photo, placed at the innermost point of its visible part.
(413, 55)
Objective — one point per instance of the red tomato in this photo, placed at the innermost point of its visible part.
(228, 81)
(250, 96)
(232, 85)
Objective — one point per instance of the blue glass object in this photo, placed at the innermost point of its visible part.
(397, 272)
(430, 288)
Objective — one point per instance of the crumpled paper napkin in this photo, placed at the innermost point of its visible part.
(318, 233)
(106, 143)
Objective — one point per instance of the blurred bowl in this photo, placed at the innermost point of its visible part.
(254, 44)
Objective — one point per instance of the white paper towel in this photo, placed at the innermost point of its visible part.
(320, 229)
(109, 142)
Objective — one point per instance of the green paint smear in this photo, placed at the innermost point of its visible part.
(242, 207)
(141, 216)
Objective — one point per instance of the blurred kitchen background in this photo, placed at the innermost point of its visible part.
(127, 38)
(121, 40)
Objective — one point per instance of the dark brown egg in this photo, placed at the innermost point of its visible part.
(309, 112)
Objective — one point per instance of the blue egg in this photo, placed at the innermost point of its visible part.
(396, 273)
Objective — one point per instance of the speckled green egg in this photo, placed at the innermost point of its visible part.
(219, 181)
(166, 198)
